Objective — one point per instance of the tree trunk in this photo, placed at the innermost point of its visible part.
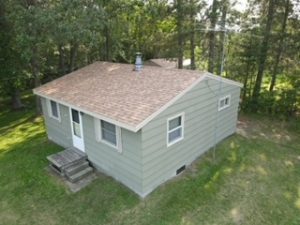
(212, 37)
(192, 41)
(193, 64)
(252, 81)
(249, 69)
(61, 60)
(280, 47)
(245, 89)
(180, 33)
(263, 56)
(222, 37)
(16, 100)
(37, 81)
(107, 41)
(73, 56)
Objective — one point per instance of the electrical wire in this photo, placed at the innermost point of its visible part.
(219, 95)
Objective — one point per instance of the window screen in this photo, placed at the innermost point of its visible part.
(54, 109)
(224, 102)
(75, 116)
(108, 132)
(175, 130)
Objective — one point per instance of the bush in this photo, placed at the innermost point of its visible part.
(281, 103)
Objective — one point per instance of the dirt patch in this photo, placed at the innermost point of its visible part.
(263, 128)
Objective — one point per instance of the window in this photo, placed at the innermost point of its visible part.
(175, 129)
(109, 134)
(76, 123)
(224, 102)
(53, 110)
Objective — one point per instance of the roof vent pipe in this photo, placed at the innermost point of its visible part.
(138, 62)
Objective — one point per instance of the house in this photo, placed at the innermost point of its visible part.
(168, 63)
(141, 126)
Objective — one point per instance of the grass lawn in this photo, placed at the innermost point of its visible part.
(253, 180)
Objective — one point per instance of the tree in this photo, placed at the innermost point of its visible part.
(10, 69)
(213, 17)
(282, 37)
(263, 54)
(42, 40)
(224, 10)
(193, 12)
(180, 36)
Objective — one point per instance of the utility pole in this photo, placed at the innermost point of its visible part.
(218, 93)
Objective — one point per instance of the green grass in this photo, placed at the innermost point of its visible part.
(251, 181)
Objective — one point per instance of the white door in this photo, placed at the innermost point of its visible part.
(77, 132)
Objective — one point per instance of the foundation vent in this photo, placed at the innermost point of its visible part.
(180, 170)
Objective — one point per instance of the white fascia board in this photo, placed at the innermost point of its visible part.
(95, 115)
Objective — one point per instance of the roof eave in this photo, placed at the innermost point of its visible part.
(101, 117)
(152, 116)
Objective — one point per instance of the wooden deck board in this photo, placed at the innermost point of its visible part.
(66, 157)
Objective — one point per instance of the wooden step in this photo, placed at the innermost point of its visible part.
(71, 170)
(81, 174)
(75, 163)
(65, 158)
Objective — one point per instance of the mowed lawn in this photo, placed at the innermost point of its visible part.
(253, 180)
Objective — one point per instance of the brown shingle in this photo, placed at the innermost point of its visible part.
(116, 91)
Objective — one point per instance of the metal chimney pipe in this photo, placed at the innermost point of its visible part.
(138, 62)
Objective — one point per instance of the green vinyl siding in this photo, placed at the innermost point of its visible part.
(125, 166)
(145, 161)
(203, 126)
(58, 131)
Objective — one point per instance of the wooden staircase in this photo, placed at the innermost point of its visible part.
(71, 163)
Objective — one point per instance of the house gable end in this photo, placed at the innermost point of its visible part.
(172, 101)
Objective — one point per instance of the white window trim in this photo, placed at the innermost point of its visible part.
(225, 106)
(50, 110)
(169, 131)
(98, 132)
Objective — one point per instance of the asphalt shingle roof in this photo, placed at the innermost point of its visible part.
(117, 92)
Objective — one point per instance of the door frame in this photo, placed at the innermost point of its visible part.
(77, 141)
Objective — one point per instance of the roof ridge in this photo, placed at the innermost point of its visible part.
(115, 93)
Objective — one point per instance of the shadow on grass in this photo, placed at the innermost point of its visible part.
(11, 119)
(16, 123)
(29, 195)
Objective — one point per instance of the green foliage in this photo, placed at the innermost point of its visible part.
(283, 102)
(43, 40)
